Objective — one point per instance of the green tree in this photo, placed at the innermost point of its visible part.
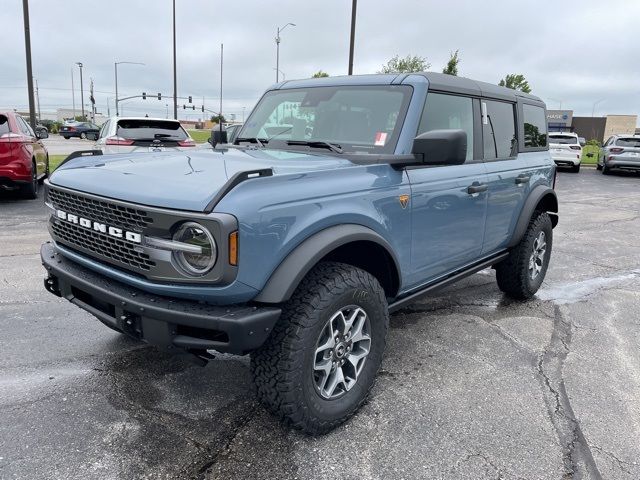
(217, 118)
(320, 74)
(408, 64)
(452, 64)
(516, 82)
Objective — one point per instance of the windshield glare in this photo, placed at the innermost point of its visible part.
(362, 119)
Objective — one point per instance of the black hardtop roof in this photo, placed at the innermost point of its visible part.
(437, 81)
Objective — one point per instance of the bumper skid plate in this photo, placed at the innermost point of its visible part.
(171, 324)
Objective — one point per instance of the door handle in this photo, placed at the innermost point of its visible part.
(477, 188)
(520, 179)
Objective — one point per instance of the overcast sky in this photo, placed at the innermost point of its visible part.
(577, 52)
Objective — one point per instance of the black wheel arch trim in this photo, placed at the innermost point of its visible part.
(533, 200)
(288, 275)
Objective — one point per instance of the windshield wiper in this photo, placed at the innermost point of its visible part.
(334, 147)
(253, 140)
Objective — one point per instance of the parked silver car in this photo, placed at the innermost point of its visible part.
(620, 152)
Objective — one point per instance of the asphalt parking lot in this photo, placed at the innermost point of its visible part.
(473, 385)
(57, 145)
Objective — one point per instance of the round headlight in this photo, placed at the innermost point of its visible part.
(199, 253)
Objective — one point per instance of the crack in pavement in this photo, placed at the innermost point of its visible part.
(577, 457)
(620, 462)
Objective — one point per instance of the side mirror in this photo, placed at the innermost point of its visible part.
(582, 141)
(92, 136)
(42, 134)
(218, 136)
(441, 147)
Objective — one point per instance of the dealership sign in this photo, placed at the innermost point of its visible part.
(563, 117)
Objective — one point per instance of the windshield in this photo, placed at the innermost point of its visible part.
(360, 119)
(563, 139)
(137, 129)
(628, 142)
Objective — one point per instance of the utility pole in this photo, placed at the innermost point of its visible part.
(175, 74)
(353, 35)
(27, 45)
(73, 95)
(280, 29)
(221, 63)
(38, 101)
(81, 92)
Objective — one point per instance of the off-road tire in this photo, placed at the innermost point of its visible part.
(283, 367)
(30, 190)
(513, 273)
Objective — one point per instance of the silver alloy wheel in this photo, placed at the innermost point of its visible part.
(341, 352)
(536, 261)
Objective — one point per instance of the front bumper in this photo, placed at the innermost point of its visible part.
(168, 323)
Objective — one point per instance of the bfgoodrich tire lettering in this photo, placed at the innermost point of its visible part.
(522, 272)
(283, 368)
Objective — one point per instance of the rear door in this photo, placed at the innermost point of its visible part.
(508, 173)
(447, 216)
(33, 145)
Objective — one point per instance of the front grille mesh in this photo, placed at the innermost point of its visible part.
(117, 215)
(110, 247)
(101, 244)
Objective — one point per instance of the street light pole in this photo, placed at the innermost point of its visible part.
(27, 44)
(593, 110)
(280, 29)
(73, 95)
(115, 64)
(175, 74)
(81, 92)
(353, 35)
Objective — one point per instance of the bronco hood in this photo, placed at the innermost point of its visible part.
(179, 180)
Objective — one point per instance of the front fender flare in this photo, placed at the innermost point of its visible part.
(537, 195)
(304, 257)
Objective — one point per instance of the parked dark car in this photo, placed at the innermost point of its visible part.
(24, 160)
(79, 130)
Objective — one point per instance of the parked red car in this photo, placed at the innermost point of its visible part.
(24, 160)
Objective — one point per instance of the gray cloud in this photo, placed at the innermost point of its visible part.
(576, 52)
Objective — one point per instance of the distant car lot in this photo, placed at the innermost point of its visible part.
(56, 145)
(472, 386)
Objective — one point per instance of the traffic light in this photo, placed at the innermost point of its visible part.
(159, 96)
(184, 106)
(190, 100)
(144, 95)
(203, 108)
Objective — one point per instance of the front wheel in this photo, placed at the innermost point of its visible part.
(318, 365)
(522, 272)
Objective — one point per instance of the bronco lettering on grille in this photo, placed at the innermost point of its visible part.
(99, 227)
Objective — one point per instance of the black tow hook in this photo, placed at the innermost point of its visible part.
(51, 284)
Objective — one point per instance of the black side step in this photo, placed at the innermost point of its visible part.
(437, 285)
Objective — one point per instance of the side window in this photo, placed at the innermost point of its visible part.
(535, 126)
(24, 127)
(498, 130)
(443, 111)
(4, 125)
(104, 129)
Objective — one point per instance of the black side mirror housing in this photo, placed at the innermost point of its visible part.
(218, 136)
(441, 147)
(582, 141)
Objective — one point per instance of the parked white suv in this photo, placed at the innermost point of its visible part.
(565, 149)
(135, 134)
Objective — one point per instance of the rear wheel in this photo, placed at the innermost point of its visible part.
(30, 190)
(522, 272)
(65, 137)
(318, 365)
(83, 136)
(576, 168)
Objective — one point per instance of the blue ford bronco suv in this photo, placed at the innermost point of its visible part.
(341, 199)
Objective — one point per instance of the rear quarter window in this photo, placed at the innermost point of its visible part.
(535, 126)
(4, 125)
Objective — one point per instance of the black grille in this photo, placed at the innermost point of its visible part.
(101, 244)
(129, 218)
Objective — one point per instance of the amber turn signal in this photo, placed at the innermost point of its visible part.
(233, 248)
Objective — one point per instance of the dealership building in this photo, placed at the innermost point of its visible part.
(599, 128)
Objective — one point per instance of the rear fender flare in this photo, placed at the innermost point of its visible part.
(539, 195)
